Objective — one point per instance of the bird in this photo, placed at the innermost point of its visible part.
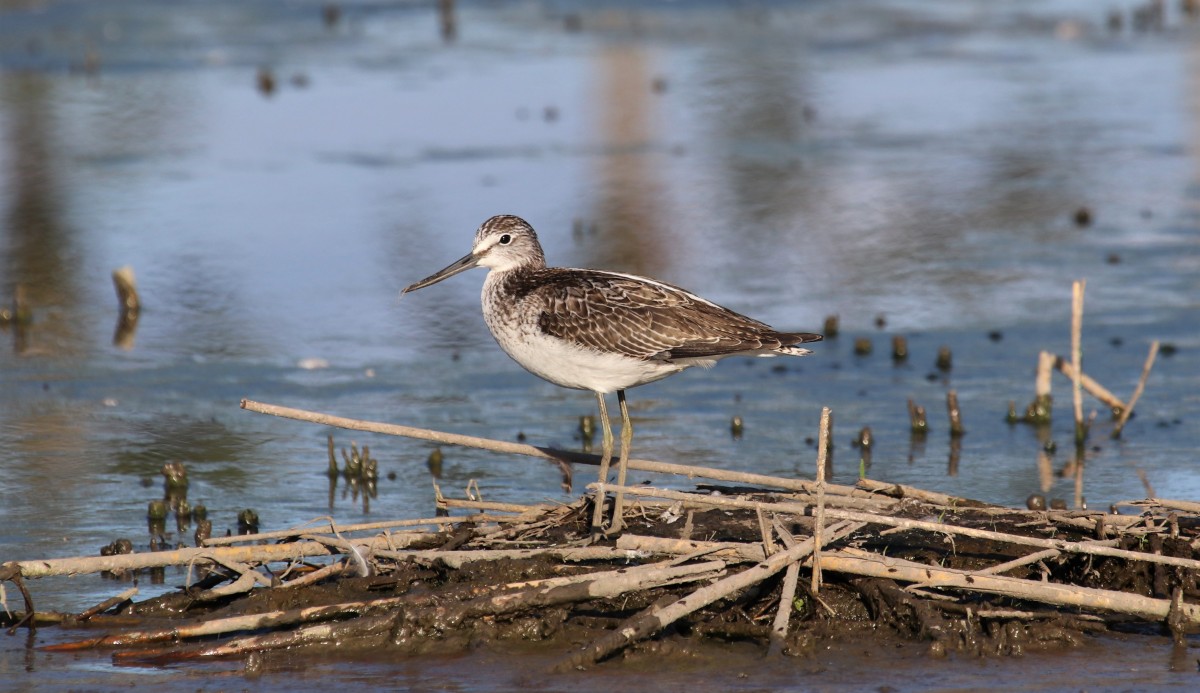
(605, 332)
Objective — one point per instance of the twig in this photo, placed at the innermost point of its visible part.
(1137, 392)
(954, 413)
(1094, 388)
(727, 550)
(157, 559)
(819, 526)
(902, 491)
(787, 593)
(457, 559)
(1018, 562)
(107, 604)
(1076, 356)
(444, 502)
(363, 527)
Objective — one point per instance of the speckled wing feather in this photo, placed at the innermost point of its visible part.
(646, 319)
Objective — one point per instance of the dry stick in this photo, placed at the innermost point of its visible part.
(158, 559)
(1186, 506)
(954, 413)
(857, 562)
(233, 624)
(916, 418)
(1094, 388)
(787, 593)
(819, 526)
(107, 604)
(534, 451)
(315, 576)
(243, 584)
(1032, 558)
(727, 550)
(1018, 562)
(363, 527)
(902, 491)
(1042, 382)
(357, 629)
(443, 502)
(802, 509)
(654, 619)
(1137, 391)
(457, 559)
(1077, 288)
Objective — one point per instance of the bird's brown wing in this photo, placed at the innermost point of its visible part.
(646, 319)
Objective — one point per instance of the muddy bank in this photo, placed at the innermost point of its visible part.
(721, 567)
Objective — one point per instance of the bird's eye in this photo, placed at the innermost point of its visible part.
(505, 239)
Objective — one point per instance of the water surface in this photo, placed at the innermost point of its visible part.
(919, 162)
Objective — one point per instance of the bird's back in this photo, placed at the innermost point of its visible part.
(642, 318)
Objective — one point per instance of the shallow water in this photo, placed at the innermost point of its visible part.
(916, 161)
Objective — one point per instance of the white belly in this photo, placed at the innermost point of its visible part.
(569, 365)
(565, 363)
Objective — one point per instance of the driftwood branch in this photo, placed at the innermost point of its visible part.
(159, 559)
(534, 451)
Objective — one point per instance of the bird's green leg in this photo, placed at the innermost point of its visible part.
(605, 459)
(618, 521)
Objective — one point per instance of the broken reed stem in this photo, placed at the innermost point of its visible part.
(1137, 391)
(1042, 383)
(727, 550)
(127, 293)
(1076, 357)
(902, 491)
(916, 418)
(787, 593)
(956, 427)
(822, 461)
(108, 604)
(1093, 388)
(446, 503)
(158, 559)
(457, 559)
(552, 454)
(363, 527)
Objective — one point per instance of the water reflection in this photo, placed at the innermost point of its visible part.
(40, 252)
(628, 205)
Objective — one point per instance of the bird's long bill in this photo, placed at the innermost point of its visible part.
(462, 265)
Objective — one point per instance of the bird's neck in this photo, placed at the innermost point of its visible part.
(514, 282)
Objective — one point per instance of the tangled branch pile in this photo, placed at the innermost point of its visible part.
(720, 563)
